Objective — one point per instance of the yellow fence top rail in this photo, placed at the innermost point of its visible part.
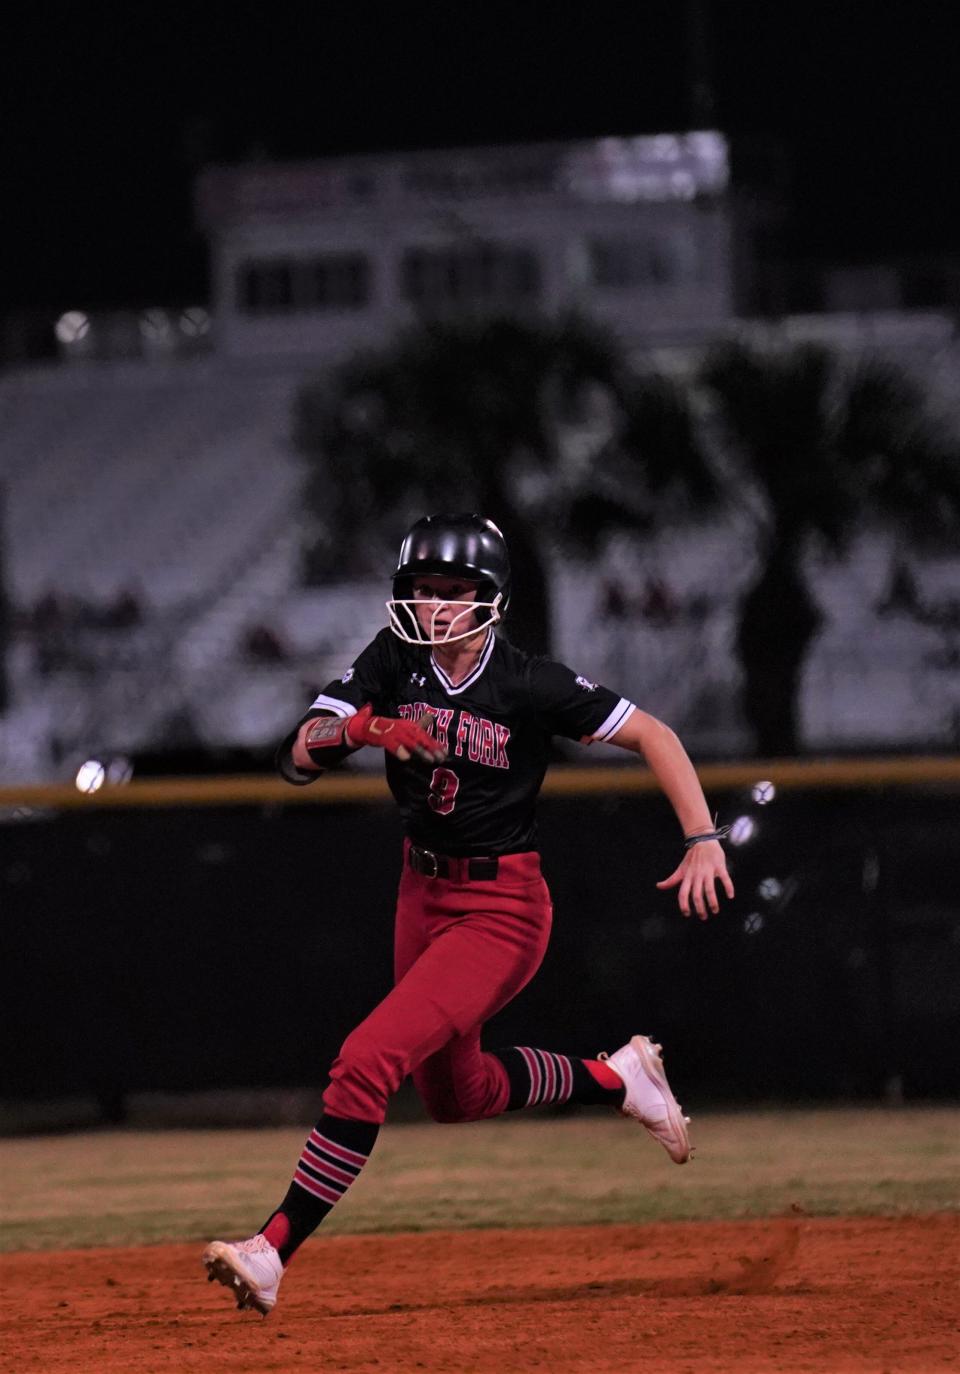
(561, 781)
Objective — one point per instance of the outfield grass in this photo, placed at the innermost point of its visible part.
(129, 1187)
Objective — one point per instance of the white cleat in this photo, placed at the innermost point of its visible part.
(251, 1269)
(648, 1098)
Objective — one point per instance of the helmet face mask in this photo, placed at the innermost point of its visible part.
(463, 548)
(406, 624)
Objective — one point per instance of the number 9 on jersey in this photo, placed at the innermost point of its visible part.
(443, 791)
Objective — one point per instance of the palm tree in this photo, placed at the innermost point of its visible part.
(454, 414)
(830, 446)
(652, 470)
(448, 417)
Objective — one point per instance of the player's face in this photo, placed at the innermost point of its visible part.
(433, 596)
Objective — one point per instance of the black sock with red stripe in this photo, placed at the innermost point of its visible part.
(538, 1077)
(335, 1152)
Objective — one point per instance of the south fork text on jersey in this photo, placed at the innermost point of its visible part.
(484, 741)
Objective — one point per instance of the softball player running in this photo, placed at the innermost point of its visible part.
(465, 721)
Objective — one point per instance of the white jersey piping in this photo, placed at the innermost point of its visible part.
(448, 686)
(617, 718)
(339, 708)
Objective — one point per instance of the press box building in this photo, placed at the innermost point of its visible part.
(317, 259)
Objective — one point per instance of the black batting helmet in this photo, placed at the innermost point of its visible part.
(467, 546)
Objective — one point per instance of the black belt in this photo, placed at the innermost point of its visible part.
(443, 866)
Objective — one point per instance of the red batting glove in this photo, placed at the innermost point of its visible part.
(404, 739)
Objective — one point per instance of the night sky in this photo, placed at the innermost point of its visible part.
(108, 112)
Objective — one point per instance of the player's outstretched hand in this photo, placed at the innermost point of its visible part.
(697, 875)
(406, 739)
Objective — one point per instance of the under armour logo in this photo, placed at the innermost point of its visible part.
(418, 679)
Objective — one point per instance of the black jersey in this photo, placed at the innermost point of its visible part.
(496, 726)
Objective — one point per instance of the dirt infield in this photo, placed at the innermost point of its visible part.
(831, 1295)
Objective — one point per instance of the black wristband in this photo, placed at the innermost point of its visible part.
(331, 756)
(720, 833)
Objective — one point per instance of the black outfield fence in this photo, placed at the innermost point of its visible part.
(232, 941)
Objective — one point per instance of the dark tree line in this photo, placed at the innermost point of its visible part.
(550, 429)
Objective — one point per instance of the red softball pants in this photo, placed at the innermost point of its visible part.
(463, 950)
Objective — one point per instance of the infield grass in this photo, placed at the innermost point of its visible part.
(129, 1187)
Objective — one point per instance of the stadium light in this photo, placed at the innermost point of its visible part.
(91, 776)
(72, 327)
(742, 829)
(157, 333)
(194, 322)
(119, 771)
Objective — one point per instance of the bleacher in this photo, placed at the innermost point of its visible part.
(177, 487)
(91, 459)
